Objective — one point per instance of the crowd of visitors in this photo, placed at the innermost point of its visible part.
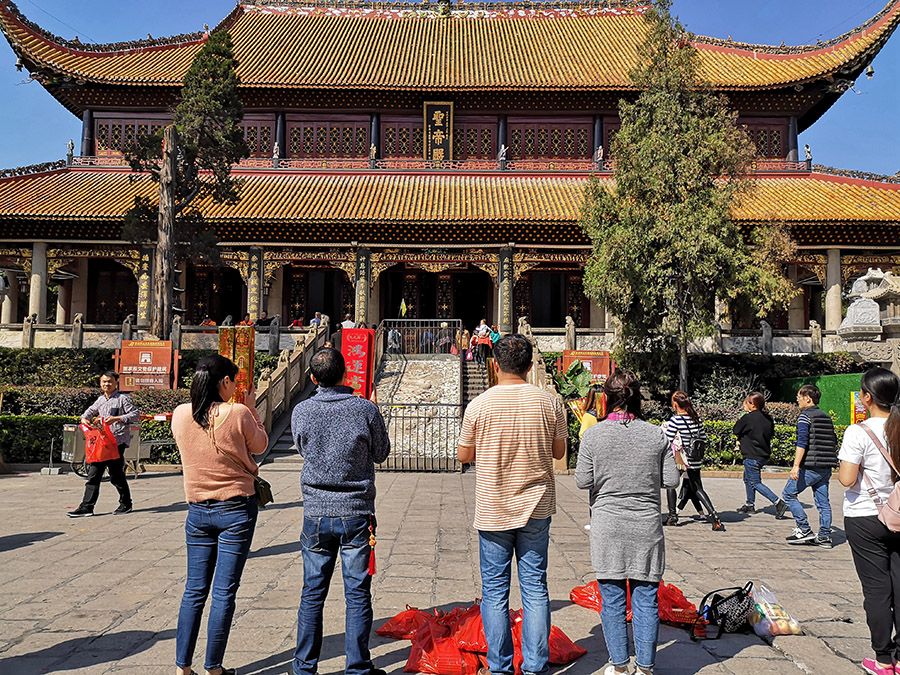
(513, 431)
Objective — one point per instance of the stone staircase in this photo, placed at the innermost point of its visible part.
(284, 450)
(475, 381)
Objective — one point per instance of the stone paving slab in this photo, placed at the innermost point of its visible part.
(100, 595)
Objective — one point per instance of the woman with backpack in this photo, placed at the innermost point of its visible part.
(685, 429)
(866, 472)
(754, 432)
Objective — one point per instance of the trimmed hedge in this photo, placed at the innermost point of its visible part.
(28, 439)
(74, 401)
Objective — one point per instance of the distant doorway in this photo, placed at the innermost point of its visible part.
(548, 299)
(473, 298)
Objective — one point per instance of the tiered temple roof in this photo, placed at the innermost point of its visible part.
(578, 46)
(323, 207)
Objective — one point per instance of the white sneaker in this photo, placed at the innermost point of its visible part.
(588, 527)
(611, 670)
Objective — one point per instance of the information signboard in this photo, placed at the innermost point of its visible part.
(599, 364)
(358, 349)
(144, 364)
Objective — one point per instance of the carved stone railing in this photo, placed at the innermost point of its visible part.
(278, 388)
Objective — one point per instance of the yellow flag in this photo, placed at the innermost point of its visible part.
(403, 307)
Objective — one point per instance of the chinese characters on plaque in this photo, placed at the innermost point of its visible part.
(358, 349)
(438, 131)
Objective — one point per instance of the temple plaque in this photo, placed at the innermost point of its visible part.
(438, 131)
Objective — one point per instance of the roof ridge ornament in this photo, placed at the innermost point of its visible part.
(891, 6)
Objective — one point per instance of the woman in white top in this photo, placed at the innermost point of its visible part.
(875, 548)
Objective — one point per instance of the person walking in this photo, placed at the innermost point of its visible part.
(515, 431)
(754, 432)
(625, 461)
(118, 410)
(685, 430)
(868, 475)
(217, 441)
(814, 459)
(483, 342)
(341, 437)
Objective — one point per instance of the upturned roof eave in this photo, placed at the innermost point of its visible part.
(13, 25)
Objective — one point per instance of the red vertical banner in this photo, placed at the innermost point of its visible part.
(358, 350)
(237, 343)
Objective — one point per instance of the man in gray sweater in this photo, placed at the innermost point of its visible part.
(341, 438)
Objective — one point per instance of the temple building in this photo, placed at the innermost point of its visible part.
(430, 155)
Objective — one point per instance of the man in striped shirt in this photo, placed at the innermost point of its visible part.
(515, 431)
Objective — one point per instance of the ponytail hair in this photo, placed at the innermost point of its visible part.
(758, 401)
(884, 388)
(684, 402)
(623, 392)
(211, 370)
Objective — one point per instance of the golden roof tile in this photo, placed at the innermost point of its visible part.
(582, 46)
(420, 200)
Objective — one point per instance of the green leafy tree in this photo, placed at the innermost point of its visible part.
(191, 160)
(664, 242)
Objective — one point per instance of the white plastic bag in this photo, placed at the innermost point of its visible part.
(769, 617)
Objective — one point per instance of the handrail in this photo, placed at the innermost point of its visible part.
(412, 164)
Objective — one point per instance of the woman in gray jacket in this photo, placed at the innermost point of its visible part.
(626, 461)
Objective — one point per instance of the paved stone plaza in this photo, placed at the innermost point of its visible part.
(100, 595)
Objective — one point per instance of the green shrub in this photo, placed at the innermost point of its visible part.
(155, 401)
(153, 430)
(47, 400)
(28, 439)
(54, 367)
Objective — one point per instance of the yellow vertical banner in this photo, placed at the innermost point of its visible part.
(438, 131)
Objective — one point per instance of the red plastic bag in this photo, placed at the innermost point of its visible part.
(562, 649)
(674, 608)
(405, 624)
(99, 444)
(589, 596)
(469, 633)
(434, 651)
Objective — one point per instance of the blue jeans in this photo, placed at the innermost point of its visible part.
(817, 479)
(753, 481)
(218, 536)
(644, 620)
(321, 542)
(529, 544)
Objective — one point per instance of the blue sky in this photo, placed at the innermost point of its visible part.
(859, 132)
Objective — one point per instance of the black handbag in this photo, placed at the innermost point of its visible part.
(727, 608)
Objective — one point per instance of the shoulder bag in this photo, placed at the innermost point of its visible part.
(729, 612)
(888, 512)
(261, 486)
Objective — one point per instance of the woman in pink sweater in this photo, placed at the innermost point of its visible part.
(216, 440)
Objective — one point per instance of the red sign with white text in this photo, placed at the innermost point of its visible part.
(145, 364)
(358, 349)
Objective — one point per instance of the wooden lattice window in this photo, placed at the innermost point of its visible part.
(116, 136)
(325, 138)
(259, 137)
(769, 140)
(402, 139)
(474, 139)
(550, 140)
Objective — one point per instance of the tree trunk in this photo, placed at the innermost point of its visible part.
(164, 261)
(683, 363)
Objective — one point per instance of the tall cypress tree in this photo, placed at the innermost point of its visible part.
(664, 241)
(191, 159)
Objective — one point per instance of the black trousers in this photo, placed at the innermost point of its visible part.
(691, 491)
(116, 468)
(876, 555)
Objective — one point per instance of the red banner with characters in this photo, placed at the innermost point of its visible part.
(358, 349)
